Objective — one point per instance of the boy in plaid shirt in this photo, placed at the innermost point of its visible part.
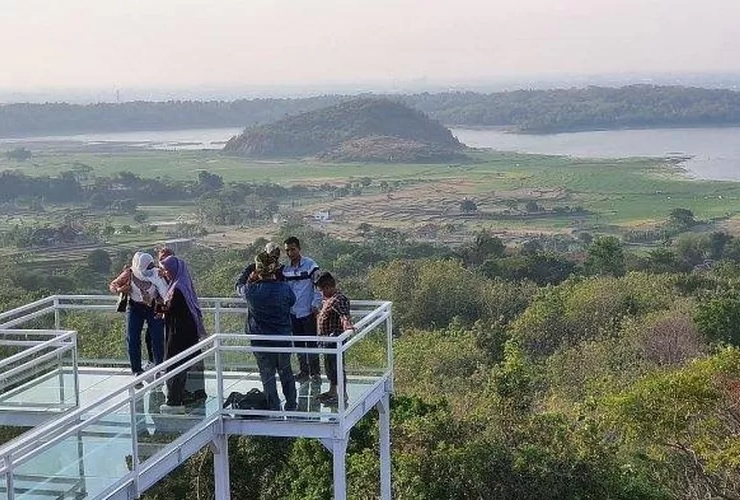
(333, 319)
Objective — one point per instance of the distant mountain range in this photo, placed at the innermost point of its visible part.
(364, 129)
(527, 111)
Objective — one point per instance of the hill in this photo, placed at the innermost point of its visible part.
(357, 129)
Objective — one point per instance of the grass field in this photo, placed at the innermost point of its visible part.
(616, 194)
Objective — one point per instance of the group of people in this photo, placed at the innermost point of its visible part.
(282, 300)
(164, 298)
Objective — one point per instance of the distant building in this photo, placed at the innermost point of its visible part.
(179, 244)
(322, 216)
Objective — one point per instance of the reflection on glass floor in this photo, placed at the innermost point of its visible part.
(49, 395)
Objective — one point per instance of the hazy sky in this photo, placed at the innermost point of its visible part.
(178, 43)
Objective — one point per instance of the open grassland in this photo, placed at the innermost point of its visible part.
(614, 194)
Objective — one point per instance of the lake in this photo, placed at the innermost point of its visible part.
(192, 139)
(714, 152)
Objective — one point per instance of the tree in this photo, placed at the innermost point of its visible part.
(140, 217)
(605, 256)
(662, 260)
(718, 318)
(692, 249)
(18, 154)
(99, 261)
(532, 207)
(468, 206)
(682, 218)
(209, 182)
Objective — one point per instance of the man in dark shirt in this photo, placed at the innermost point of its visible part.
(333, 319)
(269, 302)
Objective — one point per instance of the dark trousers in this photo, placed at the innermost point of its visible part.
(137, 315)
(187, 386)
(270, 363)
(330, 363)
(309, 363)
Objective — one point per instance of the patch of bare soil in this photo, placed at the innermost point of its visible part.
(426, 211)
(237, 237)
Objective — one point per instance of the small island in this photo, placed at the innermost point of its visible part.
(364, 129)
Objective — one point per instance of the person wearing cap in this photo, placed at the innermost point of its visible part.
(272, 249)
(269, 301)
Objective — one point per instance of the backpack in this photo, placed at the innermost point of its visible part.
(253, 400)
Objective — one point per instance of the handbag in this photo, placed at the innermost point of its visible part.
(253, 400)
(122, 302)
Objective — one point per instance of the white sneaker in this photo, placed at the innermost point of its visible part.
(172, 410)
(148, 366)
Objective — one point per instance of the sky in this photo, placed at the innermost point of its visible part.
(46, 44)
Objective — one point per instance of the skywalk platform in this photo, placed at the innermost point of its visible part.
(97, 432)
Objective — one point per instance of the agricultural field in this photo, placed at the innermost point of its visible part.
(573, 195)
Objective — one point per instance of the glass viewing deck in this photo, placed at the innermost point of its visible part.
(96, 431)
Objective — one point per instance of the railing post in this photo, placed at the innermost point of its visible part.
(57, 314)
(134, 440)
(60, 367)
(217, 317)
(75, 370)
(389, 342)
(9, 477)
(219, 373)
(341, 386)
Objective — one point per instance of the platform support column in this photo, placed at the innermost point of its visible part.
(339, 453)
(384, 423)
(220, 447)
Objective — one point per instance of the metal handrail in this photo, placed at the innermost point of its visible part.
(56, 341)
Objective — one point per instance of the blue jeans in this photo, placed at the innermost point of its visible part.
(269, 363)
(138, 314)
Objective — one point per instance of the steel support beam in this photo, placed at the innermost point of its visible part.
(220, 447)
(384, 422)
(339, 453)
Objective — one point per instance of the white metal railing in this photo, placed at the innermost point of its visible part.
(212, 351)
(42, 353)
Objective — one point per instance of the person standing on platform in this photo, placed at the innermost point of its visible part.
(300, 274)
(333, 319)
(184, 321)
(269, 302)
(145, 288)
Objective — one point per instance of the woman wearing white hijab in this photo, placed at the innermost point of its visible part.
(145, 288)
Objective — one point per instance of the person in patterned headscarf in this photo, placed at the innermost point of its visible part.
(145, 288)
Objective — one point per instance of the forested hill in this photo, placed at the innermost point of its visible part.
(328, 131)
(60, 118)
(591, 108)
(533, 111)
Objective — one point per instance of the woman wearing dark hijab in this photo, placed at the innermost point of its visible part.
(184, 324)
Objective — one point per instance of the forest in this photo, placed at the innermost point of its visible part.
(527, 111)
(593, 374)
